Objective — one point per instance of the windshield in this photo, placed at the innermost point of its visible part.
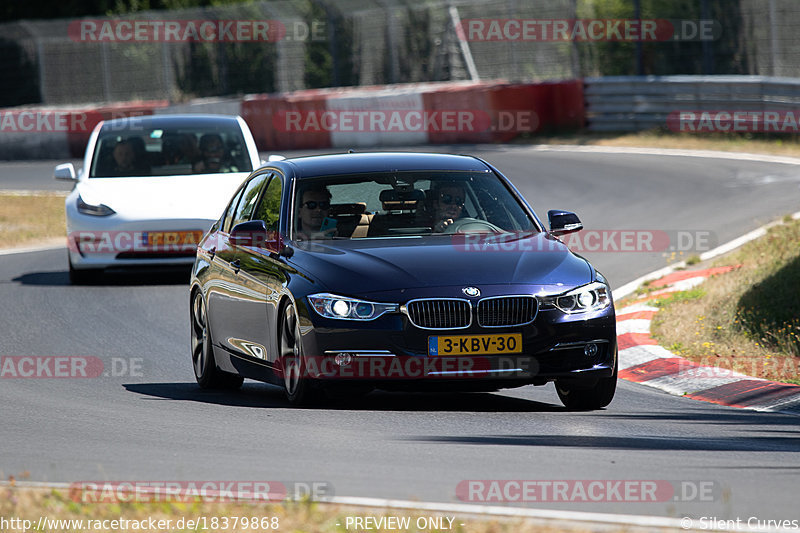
(406, 204)
(161, 152)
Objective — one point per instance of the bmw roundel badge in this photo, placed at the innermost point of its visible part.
(472, 292)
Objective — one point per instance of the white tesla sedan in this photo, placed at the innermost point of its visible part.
(151, 187)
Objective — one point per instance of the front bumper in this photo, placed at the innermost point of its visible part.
(389, 352)
(102, 242)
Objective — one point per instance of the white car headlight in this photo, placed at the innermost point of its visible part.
(100, 210)
(592, 297)
(344, 308)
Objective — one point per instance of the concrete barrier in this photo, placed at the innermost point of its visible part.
(392, 115)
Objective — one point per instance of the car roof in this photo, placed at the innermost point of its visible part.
(354, 163)
(169, 121)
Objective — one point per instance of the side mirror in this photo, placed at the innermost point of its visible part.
(65, 172)
(563, 222)
(254, 233)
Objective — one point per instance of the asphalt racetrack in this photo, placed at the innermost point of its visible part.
(150, 421)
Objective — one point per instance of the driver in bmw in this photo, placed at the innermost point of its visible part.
(448, 205)
(313, 213)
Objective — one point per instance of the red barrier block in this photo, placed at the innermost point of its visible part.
(518, 109)
(266, 116)
(470, 99)
(503, 111)
(567, 105)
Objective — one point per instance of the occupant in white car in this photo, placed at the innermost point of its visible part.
(214, 156)
(126, 160)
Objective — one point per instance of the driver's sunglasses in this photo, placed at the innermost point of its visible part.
(449, 199)
(311, 204)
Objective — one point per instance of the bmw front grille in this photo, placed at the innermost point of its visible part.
(503, 311)
(440, 313)
(454, 313)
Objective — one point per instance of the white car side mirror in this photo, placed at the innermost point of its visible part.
(65, 172)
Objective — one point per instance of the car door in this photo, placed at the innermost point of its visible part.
(217, 286)
(230, 299)
(263, 277)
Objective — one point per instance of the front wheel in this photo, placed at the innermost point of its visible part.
(206, 373)
(83, 276)
(300, 388)
(578, 397)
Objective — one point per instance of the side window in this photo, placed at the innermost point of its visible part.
(270, 206)
(226, 224)
(249, 197)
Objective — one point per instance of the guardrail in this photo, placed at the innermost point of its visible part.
(633, 103)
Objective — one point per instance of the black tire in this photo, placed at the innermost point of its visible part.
(300, 389)
(578, 397)
(206, 372)
(347, 392)
(83, 276)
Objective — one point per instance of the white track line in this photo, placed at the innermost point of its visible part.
(19, 192)
(713, 154)
(42, 248)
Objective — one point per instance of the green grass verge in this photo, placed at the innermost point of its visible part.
(747, 320)
(27, 220)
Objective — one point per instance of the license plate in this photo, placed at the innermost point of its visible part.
(173, 238)
(475, 344)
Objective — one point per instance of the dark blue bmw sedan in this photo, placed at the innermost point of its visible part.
(399, 271)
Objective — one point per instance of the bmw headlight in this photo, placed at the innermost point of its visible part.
(592, 297)
(100, 210)
(344, 308)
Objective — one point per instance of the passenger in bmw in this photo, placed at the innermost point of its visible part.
(313, 221)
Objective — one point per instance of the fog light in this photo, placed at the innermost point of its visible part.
(590, 350)
(343, 359)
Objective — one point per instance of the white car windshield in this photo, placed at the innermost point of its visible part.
(162, 152)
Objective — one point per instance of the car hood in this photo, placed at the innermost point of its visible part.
(360, 267)
(192, 197)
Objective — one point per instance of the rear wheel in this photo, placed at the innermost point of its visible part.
(578, 397)
(205, 367)
(300, 389)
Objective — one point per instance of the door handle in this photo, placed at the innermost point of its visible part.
(237, 266)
